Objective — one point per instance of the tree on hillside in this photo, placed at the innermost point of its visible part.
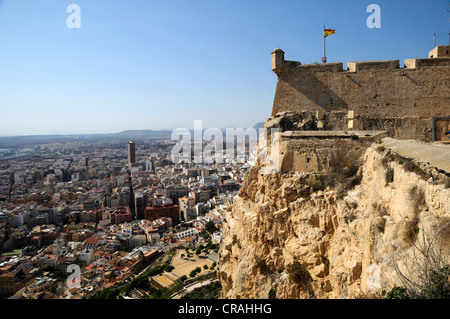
(211, 227)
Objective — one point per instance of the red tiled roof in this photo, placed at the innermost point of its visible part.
(6, 268)
(92, 240)
(60, 259)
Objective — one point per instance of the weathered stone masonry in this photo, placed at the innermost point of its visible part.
(382, 94)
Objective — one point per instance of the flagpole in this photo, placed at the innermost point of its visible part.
(324, 47)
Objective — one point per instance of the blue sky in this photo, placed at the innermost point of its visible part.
(163, 64)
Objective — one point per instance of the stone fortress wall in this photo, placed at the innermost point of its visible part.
(380, 95)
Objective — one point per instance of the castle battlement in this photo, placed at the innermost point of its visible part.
(363, 65)
(375, 91)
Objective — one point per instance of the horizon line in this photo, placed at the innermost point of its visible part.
(111, 133)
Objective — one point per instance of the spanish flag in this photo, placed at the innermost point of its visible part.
(327, 32)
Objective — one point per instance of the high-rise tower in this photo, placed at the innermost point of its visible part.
(131, 152)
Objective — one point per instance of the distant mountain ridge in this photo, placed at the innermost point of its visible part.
(124, 136)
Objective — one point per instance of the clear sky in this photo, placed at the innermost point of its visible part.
(144, 64)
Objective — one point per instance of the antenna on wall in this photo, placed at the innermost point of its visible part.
(434, 40)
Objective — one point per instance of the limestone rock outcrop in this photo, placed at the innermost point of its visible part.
(341, 229)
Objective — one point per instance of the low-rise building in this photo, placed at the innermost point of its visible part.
(40, 286)
(121, 214)
(86, 255)
(168, 210)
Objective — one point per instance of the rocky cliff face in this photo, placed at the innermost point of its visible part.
(344, 227)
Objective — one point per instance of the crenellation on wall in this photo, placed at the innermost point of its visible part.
(411, 63)
(373, 65)
(426, 62)
(279, 64)
(367, 65)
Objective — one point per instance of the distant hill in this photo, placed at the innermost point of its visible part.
(124, 136)
(143, 134)
(258, 125)
(12, 141)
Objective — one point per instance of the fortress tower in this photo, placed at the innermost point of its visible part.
(442, 51)
(277, 61)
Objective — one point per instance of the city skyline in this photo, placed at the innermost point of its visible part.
(154, 65)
